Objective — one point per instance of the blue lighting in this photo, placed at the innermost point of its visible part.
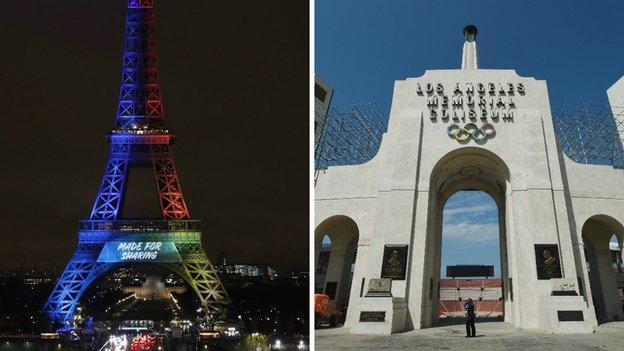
(139, 112)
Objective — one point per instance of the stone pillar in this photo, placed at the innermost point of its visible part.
(342, 295)
(615, 94)
(586, 285)
(335, 269)
(318, 242)
(610, 297)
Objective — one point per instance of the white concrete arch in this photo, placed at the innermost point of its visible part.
(339, 228)
(602, 294)
(470, 167)
(344, 235)
(466, 168)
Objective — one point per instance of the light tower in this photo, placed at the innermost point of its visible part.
(139, 139)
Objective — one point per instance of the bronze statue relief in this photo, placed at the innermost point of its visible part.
(394, 262)
(547, 261)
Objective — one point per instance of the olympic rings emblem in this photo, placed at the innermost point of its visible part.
(470, 130)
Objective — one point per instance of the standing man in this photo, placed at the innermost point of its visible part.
(470, 317)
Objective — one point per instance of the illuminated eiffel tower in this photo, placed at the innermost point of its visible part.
(139, 139)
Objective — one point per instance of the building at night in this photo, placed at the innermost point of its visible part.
(246, 270)
(140, 139)
(556, 181)
(153, 289)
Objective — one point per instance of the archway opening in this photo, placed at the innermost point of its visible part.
(602, 239)
(336, 246)
(465, 175)
(470, 258)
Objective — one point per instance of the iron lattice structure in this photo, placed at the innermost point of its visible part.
(351, 135)
(139, 139)
(590, 134)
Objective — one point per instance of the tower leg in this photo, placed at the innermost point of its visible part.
(169, 191)
(201, 275)
(109, 200)
(193, 266)
(81, 271)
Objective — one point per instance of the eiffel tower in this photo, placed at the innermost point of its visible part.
(139, 139)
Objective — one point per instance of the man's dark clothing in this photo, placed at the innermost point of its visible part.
(470, 317)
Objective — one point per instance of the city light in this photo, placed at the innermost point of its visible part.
(118, 342)
(174, 301)
(232, 332)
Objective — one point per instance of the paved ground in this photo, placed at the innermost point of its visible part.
(490, 336)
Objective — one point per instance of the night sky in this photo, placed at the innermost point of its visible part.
(234, 79)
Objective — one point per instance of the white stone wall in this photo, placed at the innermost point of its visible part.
(390, 199)
(321, 107)
(616, 100)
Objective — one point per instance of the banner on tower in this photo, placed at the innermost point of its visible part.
(139, 251)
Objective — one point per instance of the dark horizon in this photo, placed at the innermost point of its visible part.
(234, 79)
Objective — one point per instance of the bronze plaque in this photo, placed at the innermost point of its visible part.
(547, 261)
(394, 262)
(379, 287)
(570, 316)
(373, 316)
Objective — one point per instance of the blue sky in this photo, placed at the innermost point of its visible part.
(363, 46)
(470, 231)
